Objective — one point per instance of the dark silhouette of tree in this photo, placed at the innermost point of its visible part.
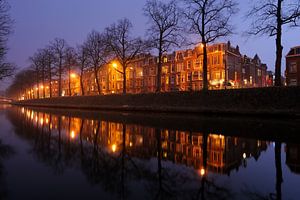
(269, 17)
(49, 61)
(210, 19)
(59, 47)
(95, 48)
(6, 69)
(21, 84)
(122, 45)
(70, 63)
(35, 66)
(164, 29)
(83, 62)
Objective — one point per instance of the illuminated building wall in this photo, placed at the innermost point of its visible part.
(182, 70)
(293, 67)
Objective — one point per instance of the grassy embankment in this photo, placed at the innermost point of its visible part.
(276, 101)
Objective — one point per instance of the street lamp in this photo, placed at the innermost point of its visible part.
(73, 75)
(115, 65)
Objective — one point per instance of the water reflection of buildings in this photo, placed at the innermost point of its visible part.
(223, 153)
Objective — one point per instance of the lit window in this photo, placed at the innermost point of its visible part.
(258, 72)
(293, 82)
(293, 67)
(165, 59)
(189, 65)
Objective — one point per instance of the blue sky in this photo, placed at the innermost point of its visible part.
(39, 21)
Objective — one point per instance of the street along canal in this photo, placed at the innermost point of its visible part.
(73, 154)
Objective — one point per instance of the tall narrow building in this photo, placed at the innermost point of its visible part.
(293, 67)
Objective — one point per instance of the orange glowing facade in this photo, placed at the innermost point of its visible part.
(182, 70)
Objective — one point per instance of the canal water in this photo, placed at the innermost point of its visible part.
(73, 154)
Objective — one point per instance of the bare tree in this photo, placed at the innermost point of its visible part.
(82, 59)
(58, 47)
(49, 61)
(210, 19)
(123, 47)
(40, 64)
(6, 69)
(35, 68)
(70, 62)
(269, 16)
(164, 30)
(22, 84)
(95, 49)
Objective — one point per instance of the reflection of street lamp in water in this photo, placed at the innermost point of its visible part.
(72, 134)
(114, 148)
(202, 171)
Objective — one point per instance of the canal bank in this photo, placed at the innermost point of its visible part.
(275, 102)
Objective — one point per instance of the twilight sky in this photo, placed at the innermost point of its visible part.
(39, 21)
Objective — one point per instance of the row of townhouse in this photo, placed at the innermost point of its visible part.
(182, 70)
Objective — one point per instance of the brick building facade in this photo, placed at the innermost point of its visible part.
(293, 67)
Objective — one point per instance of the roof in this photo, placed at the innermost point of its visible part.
(294, 51)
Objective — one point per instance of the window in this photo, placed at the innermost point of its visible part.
(293, 82)
(182, 79)
(244, 71)
(217, 75)
(172, 80)
(196, 76)
(293, 67)
(165, 59)
(189, 77)
(165, 69)
(179, 67)
(215, 60)
(189, 65)
(172, 68)
(298, 51)
(251, 81)
(258, 72)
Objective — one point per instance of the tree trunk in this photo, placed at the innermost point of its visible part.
(81, 83)
(43, 81)
(205, 81)
(37, 85)
(159, 65)
(97, 79)
(59, 79)
(50, 81)
(124, 79)
(70, 92)
(278, 46)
